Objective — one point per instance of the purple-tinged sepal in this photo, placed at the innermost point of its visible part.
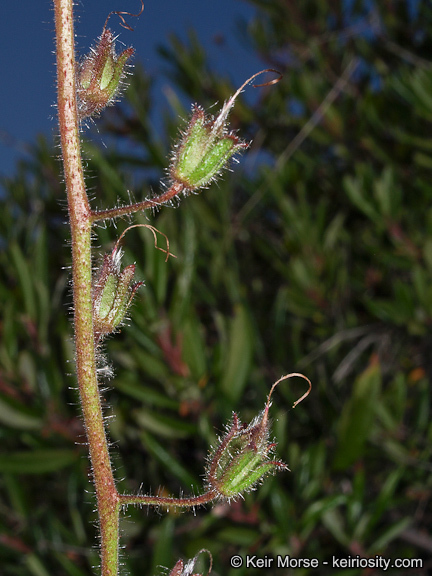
(101, 76)
(113, 291)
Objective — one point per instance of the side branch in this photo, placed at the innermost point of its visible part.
(188, 502)
(168, 195)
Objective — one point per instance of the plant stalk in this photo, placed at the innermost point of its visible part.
(80, 224)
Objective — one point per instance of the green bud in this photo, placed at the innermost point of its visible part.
(241, 460)
(112, 294)
(100, 76)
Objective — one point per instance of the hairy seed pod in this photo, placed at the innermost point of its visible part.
(207, 145)
(243, 457)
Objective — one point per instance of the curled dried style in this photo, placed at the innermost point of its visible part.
(120, 14)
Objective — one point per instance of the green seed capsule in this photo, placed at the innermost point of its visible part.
(205, 149)
(113, 291)
(242, 458)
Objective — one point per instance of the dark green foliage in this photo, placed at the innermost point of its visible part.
(313, 257)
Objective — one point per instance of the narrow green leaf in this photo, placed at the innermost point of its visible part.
(35, 566)
(385, 192)
(14, 418)
(321, 507)
(385, 498)
(193, 348)
(144, 394)
(355, 425)
(354, 188)
(36, 461)
(165, 426)
(169, 462)
(162, 554)
(237, 535)
(69, 567)
(25, 279)
(239, 354)
(334, 522)
(390, 534)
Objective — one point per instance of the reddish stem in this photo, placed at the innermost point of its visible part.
(188, 502)
(80, 224)
(168, 195)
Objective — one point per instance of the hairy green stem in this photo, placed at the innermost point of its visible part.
(158, 201)
(80, 218)
(188, 502)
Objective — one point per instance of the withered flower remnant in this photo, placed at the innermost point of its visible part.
(188, 569)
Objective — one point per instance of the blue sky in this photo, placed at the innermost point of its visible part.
(27, 59)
